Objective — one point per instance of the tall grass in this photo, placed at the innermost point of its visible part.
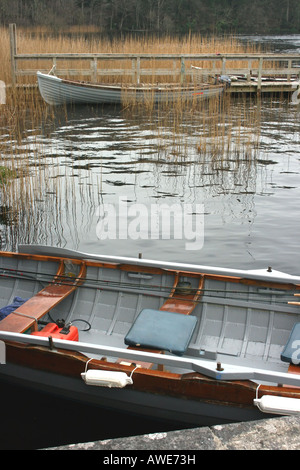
(41, 40)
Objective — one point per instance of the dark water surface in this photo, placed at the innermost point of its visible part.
(247, 198)
(32, 420)
(95, 159)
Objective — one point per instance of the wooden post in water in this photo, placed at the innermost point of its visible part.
(223, 65)
(138, 70)
(260, 67)
(94, 70)
(2, 92)
(182, 70)
(13, 51)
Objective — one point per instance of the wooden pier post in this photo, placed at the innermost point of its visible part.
(94, 70)
(138, 70)
(2, 92)
(13, 51)
(260, 67)
(223, 66)
(182, 70)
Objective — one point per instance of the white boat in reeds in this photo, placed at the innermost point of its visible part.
(58, 91)
(188, 344)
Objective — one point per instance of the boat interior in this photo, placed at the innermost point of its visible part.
(126, 306)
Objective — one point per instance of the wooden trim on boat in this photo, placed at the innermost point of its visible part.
(151, 270)
(27, 315)
(192, 385)
(295, 303)
(179, 303)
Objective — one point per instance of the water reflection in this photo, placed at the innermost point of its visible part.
(245, 174)
(289, 43)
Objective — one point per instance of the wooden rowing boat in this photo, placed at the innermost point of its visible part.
(57, 91)
(184, 343)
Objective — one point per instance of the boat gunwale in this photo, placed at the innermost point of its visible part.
(141, 87)
(78, 360)
(205, 367)
(135, 266)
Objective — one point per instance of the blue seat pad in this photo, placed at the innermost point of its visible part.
(291, 352)
(5, 311)
(160, 329)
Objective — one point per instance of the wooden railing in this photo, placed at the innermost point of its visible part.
(181, 67)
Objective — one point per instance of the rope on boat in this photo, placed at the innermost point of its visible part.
(161, 291)
(102, 283)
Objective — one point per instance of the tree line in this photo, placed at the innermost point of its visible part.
(158, 16)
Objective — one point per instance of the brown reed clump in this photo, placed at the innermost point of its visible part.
(231, 131)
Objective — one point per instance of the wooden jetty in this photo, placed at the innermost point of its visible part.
(257, 73)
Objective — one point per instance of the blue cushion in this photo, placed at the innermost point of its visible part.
(291, 352)
(159, 329)
(5, 311)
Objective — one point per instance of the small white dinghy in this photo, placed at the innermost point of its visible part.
(57, 91)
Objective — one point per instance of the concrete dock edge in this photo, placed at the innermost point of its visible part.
(280, 433)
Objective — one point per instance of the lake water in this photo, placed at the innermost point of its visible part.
(103, 160)
(92, 166)
(92, 162)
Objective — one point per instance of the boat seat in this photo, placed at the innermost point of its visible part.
(162, 330)
(181, 302)
(291, 351)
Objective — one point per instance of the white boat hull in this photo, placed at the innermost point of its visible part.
(56, 91)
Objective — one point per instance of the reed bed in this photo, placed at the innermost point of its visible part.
(41, 40)
(38, 195)
(232, 136)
